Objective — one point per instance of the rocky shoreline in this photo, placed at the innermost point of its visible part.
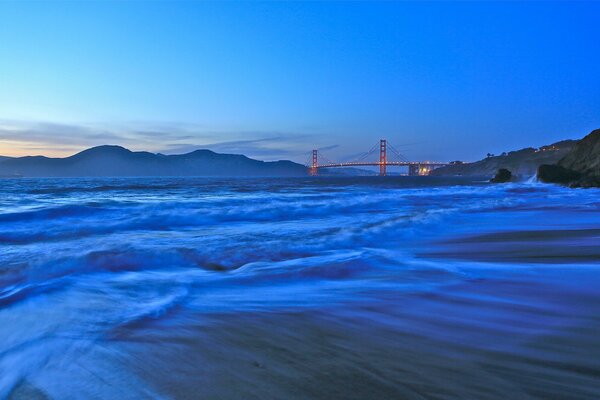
(522, 164)
(579, 168)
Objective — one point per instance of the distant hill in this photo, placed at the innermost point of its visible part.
(580, 167)
(119, 161)
(3, 158)
(522, 163)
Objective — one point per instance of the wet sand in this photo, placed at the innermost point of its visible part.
(331, 289)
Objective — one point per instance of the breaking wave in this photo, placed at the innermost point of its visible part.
(104, 283)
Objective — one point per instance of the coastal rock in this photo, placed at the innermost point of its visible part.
(502, 176)
(579, 168)
(585, 156)
(551, 173)
(586, 182)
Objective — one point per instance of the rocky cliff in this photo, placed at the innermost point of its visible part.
(521, 163)
(580, 167)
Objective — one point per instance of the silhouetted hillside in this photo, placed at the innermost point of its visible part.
(585, 156)
(118, 161)
(580, 167)
(522, 163)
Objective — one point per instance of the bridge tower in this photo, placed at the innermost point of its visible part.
(382, 157)
(315, 163)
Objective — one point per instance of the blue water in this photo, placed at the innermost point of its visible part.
(408, 288)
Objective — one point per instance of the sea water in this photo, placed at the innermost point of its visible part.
(325, 288)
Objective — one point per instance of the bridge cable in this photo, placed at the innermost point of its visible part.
(397, 153)
(368, 153)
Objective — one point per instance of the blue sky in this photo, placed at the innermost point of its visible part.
(440, 81)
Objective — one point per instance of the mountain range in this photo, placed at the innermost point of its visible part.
(119, 161)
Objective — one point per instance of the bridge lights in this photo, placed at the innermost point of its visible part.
(415, 168)
(315, 163)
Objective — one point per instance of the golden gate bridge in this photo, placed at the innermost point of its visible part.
(415, 168)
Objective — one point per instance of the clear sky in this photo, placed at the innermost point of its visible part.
(440, 81)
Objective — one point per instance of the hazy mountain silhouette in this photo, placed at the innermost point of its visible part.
(119, 161)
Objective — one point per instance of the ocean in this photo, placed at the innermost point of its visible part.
(299, 288)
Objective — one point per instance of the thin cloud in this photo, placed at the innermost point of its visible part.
(53, 139)
(267, 148)
(333, 146)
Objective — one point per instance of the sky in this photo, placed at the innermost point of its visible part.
(440, 81)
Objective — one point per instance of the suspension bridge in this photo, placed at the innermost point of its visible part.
(391, 158)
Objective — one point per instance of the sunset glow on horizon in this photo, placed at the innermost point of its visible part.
(446, 80)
